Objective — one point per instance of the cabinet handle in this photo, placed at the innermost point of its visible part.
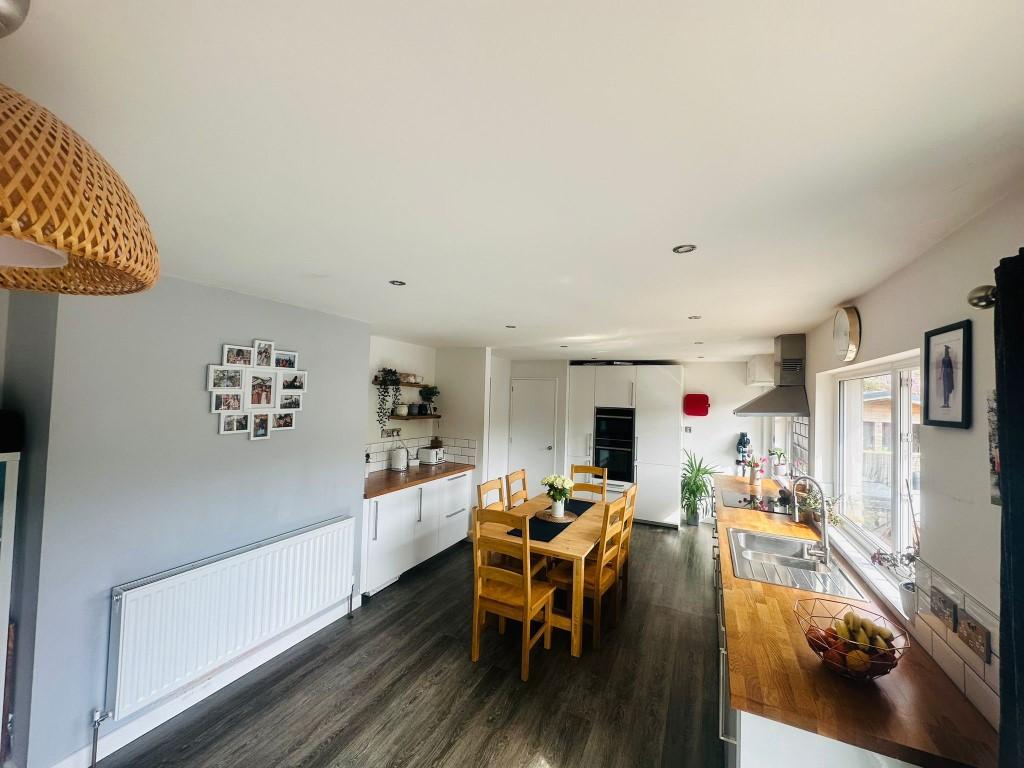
(457, 477)
(723, 666)
(376, 517)
(632, 394)
(420, 518)
(457, 512)
(590, 445)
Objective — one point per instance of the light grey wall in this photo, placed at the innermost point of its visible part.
(139, 480)
(31, 333)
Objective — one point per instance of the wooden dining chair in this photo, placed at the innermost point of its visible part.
(517, 497)
(538, 563)
(589, 486)
(629, 514)
(602, 574)
(508, 591)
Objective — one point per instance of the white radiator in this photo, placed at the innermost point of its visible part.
(173, 629)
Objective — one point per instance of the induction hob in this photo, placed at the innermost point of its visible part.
(738, 500)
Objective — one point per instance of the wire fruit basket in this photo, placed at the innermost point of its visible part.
(851, 641)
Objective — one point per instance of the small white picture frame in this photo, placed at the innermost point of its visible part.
(289, 401)
(225, 402)
(259, 426)
(292, 381)
(234, 423)
(282, 420)
(237, 355)
(263, 353)
(286, 360)
(260, 390)
(224, 378)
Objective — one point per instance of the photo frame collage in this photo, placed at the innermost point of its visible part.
(256, 389)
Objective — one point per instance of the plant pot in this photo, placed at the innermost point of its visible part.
(755, 479)
(401, 410)
(692, 515)
(908, 598)
(557, 508)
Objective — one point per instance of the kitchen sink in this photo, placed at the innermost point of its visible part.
(784, 561)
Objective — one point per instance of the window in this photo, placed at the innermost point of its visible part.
(791, 434)
(879, 461)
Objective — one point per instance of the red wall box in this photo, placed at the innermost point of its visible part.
(696, 405)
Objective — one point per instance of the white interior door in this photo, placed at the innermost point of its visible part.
(532, 429)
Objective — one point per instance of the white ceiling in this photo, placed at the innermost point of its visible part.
(533, 163)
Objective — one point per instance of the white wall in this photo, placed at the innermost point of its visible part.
(463, 376)
(550, 369)
(497, 431)
(404, 358)
(960, 528)
(713, 437)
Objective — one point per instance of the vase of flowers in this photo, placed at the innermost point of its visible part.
(559, 487)
(756, 467)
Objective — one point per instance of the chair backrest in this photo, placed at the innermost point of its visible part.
(588, 486)
(515, 498)
(609, 549)
(514, 570)
(485, 488)
(627, 519)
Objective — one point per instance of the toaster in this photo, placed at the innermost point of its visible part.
(430, 455)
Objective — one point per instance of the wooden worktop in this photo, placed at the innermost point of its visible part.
(915, 713)
(387, 481)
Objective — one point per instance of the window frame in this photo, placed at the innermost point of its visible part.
(901, 441)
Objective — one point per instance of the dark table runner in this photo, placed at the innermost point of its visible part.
(543, 530)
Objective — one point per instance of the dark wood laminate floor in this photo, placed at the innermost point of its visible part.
(394, 686)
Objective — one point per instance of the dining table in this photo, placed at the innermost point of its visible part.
(572, 544)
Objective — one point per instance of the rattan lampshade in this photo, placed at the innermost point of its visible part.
(57, 192)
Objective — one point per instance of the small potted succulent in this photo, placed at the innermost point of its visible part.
(780, 462)
(559, 487)
(904, 566)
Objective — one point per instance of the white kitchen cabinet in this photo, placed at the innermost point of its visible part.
(615, 386)
(761, 371)
(580, 438)
(659, 407)
(657, 496)
(428, 512)
(453, 518)
(390, 531)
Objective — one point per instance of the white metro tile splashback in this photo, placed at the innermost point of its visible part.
(457, 449)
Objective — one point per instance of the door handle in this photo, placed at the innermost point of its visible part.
(550, 447)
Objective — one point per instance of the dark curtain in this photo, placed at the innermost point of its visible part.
(1009, 321)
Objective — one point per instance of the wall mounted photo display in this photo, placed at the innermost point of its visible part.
(260, 390)
(292, 381)
(948, 376)
(225, 401)
(263, 353)
(280, 420)
(224, 378)
(290, 401)
(235, 355)
(260, 426)
(234, 423)
(284, 359)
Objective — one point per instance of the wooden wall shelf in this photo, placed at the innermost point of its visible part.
(416, 418)
(376, 383)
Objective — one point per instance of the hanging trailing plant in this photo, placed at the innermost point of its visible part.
(389, 392)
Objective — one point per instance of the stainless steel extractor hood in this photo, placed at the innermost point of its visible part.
(789, 396)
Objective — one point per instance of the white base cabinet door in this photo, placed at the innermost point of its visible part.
(657, 496)
(389, 547)
(428, 512)
(453, 521)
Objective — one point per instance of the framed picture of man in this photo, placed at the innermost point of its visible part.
(948, 376)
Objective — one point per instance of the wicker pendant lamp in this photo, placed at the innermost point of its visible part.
(68, 223)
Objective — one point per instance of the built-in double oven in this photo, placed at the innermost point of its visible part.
(615, 442)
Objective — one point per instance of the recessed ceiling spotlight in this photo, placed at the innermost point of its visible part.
(684, 248)
(510, 326)
(564, 346)
(700, 357)
(694, 317)
(397, 282)
(593, 358)
(698, 342)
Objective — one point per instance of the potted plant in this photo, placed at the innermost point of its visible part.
(780, 461)
(427, 395)
(812, 502)
(695, 486)
(389, 393)
(903, 565)
(559, 487)
(756, 466)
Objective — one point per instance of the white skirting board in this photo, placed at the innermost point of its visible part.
(139, 726)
